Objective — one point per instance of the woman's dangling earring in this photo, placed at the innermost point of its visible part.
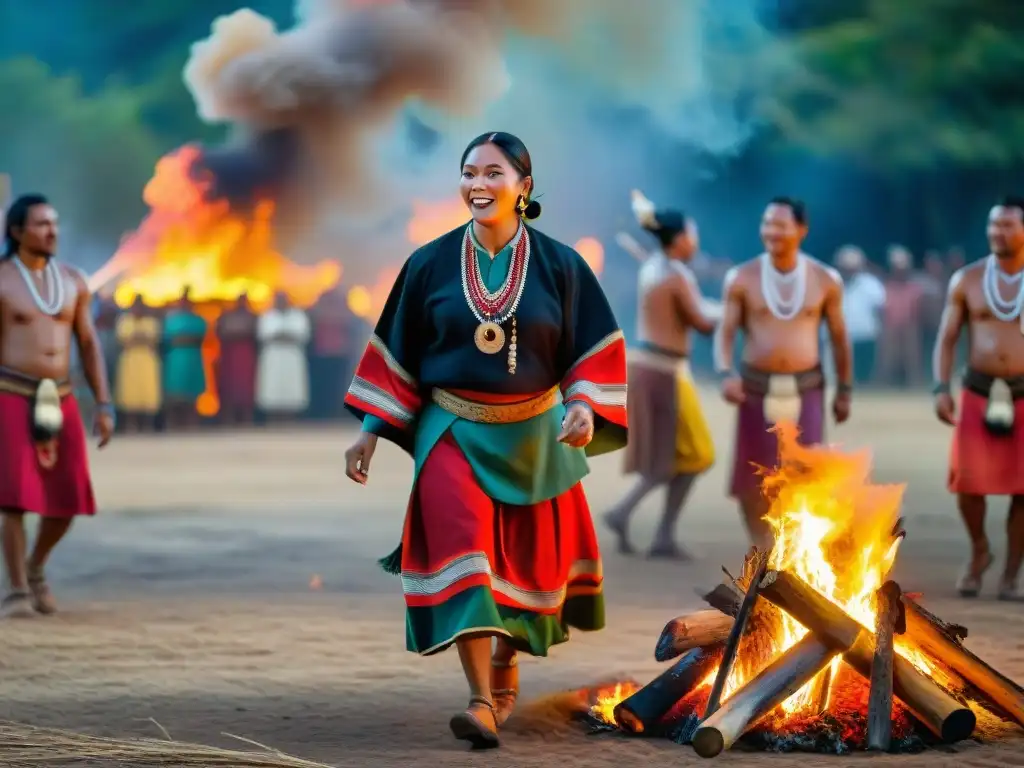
(521, 205)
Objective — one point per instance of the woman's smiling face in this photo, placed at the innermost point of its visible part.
(491, 187)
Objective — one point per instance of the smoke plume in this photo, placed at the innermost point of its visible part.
(592, 86)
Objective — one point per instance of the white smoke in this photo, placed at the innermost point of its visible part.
(559, 73)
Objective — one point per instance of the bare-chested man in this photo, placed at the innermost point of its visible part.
(669, 440)
(43, 460)
(779, 301)
(987, 457)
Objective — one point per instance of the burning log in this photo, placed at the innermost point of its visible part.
(726, 597)
(777, 682)
(941, 642)
(732, 645)
(821, 690)
(646, 707)
(936, 709)
(684, 633)
(889, 621)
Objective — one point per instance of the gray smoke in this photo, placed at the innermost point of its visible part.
(365, 105)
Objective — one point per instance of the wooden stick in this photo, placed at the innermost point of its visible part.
(786, 675)
(822, 687)
(939, 641)
(888, 617)
(727, 598)
(732, 645)
(631, 246)
(939, 711)
(646, 707)
(693, 630)
(956, 632)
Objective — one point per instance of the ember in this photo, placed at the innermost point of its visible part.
(819, 651)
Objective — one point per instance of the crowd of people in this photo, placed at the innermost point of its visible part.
(283, 364)
(288, 364)
(892, 306)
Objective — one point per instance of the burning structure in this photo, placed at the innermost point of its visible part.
(811, 647)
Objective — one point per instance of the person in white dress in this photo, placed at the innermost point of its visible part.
(282, 376)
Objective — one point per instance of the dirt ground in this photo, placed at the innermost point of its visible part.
(192, 601)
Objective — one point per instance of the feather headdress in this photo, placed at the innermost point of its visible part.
(644, 210)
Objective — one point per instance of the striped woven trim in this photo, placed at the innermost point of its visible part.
(477, 563)
(373, 395)
(610, 395)
(389, 359)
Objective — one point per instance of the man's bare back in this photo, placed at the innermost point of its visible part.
(775, 345)
(669, 306)
(32, 342)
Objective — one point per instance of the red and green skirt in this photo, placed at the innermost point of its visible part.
(471, 564)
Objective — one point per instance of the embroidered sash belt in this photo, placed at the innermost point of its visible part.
(495, 413)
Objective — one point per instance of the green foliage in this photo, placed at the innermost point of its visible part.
(915, 85)
(88, 125)
(90, 153)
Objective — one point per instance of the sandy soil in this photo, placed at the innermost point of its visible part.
(188, 601)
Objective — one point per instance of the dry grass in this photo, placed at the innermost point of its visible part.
(26, 745)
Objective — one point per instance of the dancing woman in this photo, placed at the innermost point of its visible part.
(497, 363)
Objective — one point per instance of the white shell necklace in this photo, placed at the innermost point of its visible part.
(54, 287)
(991, 284)
(772, 281)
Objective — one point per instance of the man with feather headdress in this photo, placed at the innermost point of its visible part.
(669, 442)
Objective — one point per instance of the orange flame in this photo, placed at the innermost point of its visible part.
(431, 220)
(592, 251)
(193, 242)
(834, 529)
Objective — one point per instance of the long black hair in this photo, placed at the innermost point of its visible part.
(518, 157)
(16, 217)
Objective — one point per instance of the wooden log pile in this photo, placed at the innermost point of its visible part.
(743, 629)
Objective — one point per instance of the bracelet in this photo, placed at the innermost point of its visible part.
(942, 388)
(106, 407)
(844, 388)
(728, 373)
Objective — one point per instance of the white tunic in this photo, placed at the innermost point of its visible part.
(282, 377)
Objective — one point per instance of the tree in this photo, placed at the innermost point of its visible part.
(89, 152)
(920, 85)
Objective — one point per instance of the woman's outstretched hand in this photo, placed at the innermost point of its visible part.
(577, 426)
(357, 458)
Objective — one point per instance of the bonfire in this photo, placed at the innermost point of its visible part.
(194, 241)
(811, 646)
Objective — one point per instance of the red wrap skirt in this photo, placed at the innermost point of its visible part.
(65, 490)
(981, 463)
(472, 564)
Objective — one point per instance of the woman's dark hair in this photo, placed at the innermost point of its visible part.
(670, 223)
(518, 157)
(16, 217)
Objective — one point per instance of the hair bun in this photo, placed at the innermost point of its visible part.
(532, 210)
